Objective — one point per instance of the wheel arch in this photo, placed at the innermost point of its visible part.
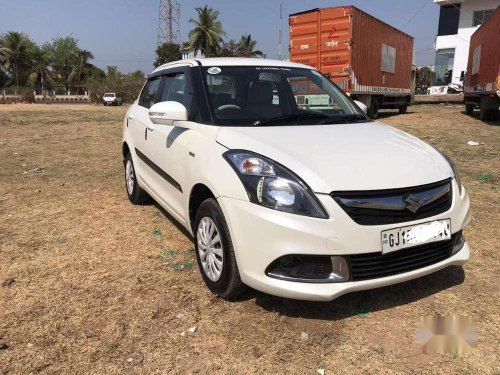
(125, 149)
(199, 193)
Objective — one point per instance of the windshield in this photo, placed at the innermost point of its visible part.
(261, 96)
(109, 95)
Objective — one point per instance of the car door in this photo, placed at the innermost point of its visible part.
(140, 127)
(167, 144)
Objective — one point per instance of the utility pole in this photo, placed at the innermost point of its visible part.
(281, 32)
(169, 29)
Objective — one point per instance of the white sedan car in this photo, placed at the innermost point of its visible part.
(286, 185)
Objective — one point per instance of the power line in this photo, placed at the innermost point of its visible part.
(416, 14)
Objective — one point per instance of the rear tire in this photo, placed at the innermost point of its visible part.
(135, 193)
(469, 109)
(215, 253)
(373, 109)
(403, 109)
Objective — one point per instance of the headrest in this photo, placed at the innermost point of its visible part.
(260, 92)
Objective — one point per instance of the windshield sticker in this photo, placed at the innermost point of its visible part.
(214, 70)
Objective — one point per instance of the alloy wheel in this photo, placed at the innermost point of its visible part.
(210, 249)
(129, 177)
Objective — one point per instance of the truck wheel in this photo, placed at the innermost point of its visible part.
(374, 107)
(214, 251)
(135, 193)
(469, 109)
(403, 109)
(485, 114)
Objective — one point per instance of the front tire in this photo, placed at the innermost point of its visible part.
(215, 253)
(135, 193)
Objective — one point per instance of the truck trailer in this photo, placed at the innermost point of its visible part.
(369, 59)
(482, 81)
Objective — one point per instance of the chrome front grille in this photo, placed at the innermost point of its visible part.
(378, 207)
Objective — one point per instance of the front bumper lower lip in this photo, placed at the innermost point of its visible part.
(331, 291)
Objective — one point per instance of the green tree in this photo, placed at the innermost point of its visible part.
(246, 47)
(207, 32)
(229, 49)
(92, 71)
(81, 61)
(166, 53)
(40, 73)
(127, 85)
(137, 74)
(15, 52)
(424, 78)
(62, 54)
(4, 78)
(113, 72)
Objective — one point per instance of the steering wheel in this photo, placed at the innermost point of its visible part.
(226, 107)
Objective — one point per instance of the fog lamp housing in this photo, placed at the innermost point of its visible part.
(310, 268)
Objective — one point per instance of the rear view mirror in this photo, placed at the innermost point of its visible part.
(165, 113)
(361, 106)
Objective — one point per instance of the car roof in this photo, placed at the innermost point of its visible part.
(229, 61)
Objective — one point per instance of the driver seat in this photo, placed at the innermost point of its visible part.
(260, 100)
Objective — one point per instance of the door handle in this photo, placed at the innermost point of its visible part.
(146, 132)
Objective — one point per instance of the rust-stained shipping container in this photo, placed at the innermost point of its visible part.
(482, 82)
(364, 56)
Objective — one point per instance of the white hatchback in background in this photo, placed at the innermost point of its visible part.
(286, 185)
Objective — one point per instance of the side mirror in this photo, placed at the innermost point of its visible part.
(361, 106)
(165, 113)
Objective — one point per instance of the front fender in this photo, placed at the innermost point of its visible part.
(205, 165)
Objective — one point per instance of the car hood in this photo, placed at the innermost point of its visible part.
(362, 156)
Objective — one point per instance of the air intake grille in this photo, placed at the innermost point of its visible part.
(375, 265)
(379, 207)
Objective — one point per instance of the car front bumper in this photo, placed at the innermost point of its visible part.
(261, 235)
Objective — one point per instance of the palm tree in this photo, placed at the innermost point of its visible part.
(81, 61)
(40, 70)
(207, 33)
(15, 49)
(246, 47)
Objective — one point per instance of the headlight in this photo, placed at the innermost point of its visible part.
(454, 168)
(271, 185)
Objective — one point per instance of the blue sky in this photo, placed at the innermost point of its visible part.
(124, 32)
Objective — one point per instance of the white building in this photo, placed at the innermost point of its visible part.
(458, 19)
(188, 53)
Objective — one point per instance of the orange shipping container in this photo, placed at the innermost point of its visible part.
(360, 53)
(483, 69)
(482, 82)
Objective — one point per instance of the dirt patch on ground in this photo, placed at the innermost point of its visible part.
(101, 287)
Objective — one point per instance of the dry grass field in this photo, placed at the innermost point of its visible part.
(103, 287)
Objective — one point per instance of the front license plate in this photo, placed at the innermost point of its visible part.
(414, 235)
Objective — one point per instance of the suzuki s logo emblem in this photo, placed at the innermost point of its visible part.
(412, 203)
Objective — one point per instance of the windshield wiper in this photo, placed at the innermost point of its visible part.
(344, 119)
(298, 116)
